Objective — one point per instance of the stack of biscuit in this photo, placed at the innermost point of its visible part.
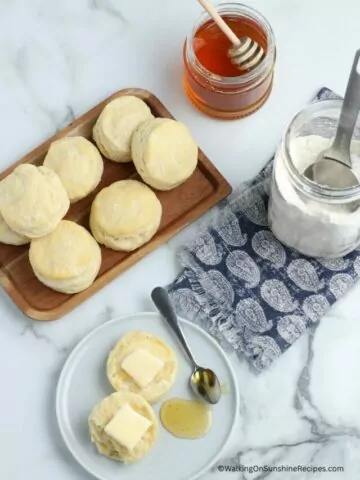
(124, 216)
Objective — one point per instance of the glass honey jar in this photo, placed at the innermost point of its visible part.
(212, 83)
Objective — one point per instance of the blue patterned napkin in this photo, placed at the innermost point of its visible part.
(254, 295)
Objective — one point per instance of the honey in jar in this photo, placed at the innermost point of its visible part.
(213, 84)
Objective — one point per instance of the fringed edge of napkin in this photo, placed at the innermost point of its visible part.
(198, 304)
(202, 305)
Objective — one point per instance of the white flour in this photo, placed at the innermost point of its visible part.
(314, 228)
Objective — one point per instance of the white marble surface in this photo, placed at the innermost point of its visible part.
(58, 59)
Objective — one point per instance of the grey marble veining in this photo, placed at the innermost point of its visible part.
(57, 60)
(108, 7)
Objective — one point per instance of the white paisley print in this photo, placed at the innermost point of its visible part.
(254, 209)
(250, 313)
(304, 275)
(244, 268)
(340, 283)
(229, 230)
(216, 285)
(291, 327)
(334, 264)
(250, 292)
(276, 294)
(207, 250)
(315, 307)
(357, 265)
(269, 248)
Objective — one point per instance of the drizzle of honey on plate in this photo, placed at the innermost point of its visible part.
(225, 389)
(186, 418)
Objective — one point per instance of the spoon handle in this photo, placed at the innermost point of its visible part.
(163, 303)
(224, 27)
(350, 111)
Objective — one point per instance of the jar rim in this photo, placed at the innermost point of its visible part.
(307, 186)
(257, 73)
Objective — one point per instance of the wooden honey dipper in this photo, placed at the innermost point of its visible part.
(245, 52)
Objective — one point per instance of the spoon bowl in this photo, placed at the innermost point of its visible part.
(328, 171)
(333, 167)
(203, 381)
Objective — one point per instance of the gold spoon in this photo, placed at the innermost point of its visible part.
(203, 381)
(245, 52)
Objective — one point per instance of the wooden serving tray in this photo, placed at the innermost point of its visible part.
(181, 206)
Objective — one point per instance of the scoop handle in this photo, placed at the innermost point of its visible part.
(163, 303)
(350, 110)
(224, 27)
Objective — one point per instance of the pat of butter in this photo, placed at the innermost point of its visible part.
(142, 366)
(127, 427)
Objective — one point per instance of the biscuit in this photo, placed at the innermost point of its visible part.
(125, 215)
(33, 200)
(10, 237)
(164, 153)
(67, 260)
(78, 164)
(103, 413)
(163, 380)
(116, 124)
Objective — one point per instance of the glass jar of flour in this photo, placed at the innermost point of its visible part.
(314, 219)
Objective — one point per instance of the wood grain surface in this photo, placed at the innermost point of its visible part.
(181, 206)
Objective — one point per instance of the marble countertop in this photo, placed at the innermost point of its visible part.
(58, 59)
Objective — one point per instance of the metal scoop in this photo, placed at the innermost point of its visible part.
(333, 166)
(203, 381)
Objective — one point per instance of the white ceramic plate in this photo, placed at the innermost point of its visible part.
(83, 384)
